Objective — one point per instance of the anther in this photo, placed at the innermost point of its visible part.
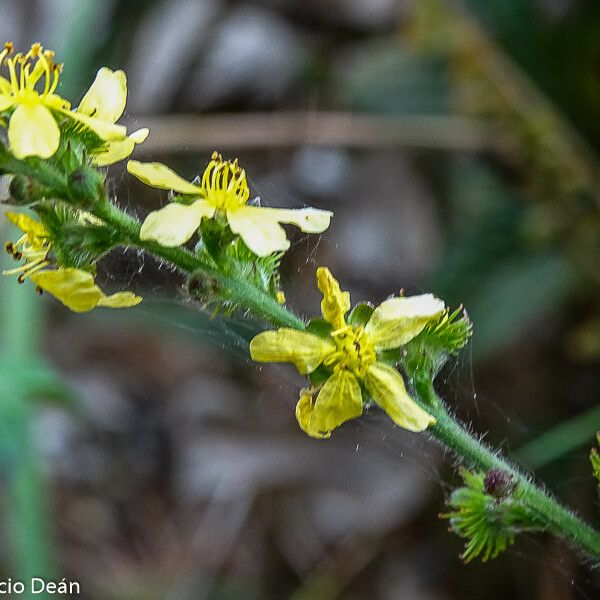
(38, 290)
(9, 47)
(21, 278)
(9, 247)
(17, 255)
(36, 49)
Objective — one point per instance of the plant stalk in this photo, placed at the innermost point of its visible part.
(561, 522)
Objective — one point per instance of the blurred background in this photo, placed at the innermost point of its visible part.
(143, 455)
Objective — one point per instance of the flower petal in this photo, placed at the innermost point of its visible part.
(160, 176)
(120, 300)
(6, 102)
(304, 413)
(305, 350)
(119, 149)
(335, 303)
(27, 224)
(113, 152)
(259, 229)
(398, 320)
(139, 136)
(176, 223)
(339, 400)
(386, 387)
(105, 130)
(32, 131)
(106, 98)
(309, 220)
(77, 290)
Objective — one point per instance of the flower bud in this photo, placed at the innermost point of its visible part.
(86, 186)
(24, 190)
(498, 483)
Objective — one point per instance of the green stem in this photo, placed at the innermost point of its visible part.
(256, 300)
(561, 521)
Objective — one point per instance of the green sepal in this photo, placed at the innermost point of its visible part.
(319, 327)
(75, 241)
(86, 186)
(359, 316)
(489, 521)
(440, 339)
(220, 247)
(390, 357)
(320, 375)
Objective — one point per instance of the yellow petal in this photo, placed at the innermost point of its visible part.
(54, 101)
(398, 320)
(27, 224)
(120, 149)
(386, 386)
(120, 300)
(176, 223)
(304, 412)
(259, 229)
(77, 290)
(339, 400)
(139, 136)
(32, 131)
(335, 303)
(305, 350)
(106, 97)
(105, 130)
(309, 220)
(113, 152)
(160, 176)
(5, 102)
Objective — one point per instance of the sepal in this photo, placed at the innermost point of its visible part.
(489, 512)
(440, 339)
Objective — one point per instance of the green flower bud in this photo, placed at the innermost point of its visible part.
(86, 186)
(24, 190)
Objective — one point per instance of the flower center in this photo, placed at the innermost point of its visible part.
(34, 250)
(224, 183)
(354, 350)
(26, 71)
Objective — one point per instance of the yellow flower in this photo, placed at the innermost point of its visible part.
(105, 101)
(29, 92)
(223, 189)
(75, 288)
(352, 356)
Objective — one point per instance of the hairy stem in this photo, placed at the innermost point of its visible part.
(447, 430)
(561, 522)
(249, 296)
